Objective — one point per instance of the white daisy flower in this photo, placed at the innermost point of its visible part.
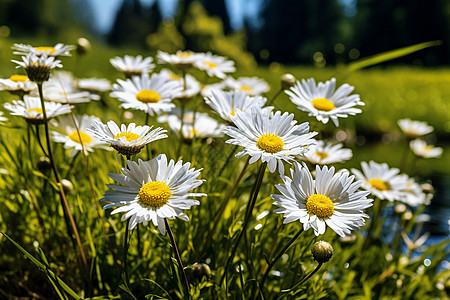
(18, 85)
(413, 129)
(181, 60)
(151, 95)
(62, 87)
(31, 109)
(327, 153)
(226, 104)
(38, 67)
(271, 137)
(189, 91)
(420, 148)
(69, 135)
(204, 126)
(209, 88)
(153, 190)
(57, 50)
(413, 194)
(215, 65)
(323, 102)
(133, 66)
(94, 85)
(331, 199)
(250, 85)
(381, 181)
(127, 140)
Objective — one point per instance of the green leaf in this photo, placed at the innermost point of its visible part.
(389, 55)
(44, 268)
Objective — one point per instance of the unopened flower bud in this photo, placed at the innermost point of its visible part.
(67, 185)
(287, 80)
(199, 270)
(83, 46)
(400, 208)
(427, 188)
(407, 216)
(44, 164)
(322, 251)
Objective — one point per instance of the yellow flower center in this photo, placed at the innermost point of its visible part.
(147, 96)
(379, 184)
(130, 136)
(174, 77)
(270, 142)
(428, 148)
(322, 155)
(45, 49)
(245, 88)
(320, 205)
(17, 78)
(233, 113)
(85, 138)
(323, 104)
(184, 54)
(210, 64)
(155, 193)
(37, 109)
(193, 132)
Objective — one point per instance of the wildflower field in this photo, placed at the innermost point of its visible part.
(129, 175)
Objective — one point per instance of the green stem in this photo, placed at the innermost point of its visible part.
(177, 255)
(278, 256)
(250, 206)
(64, 203)
(181, 129)
(275, 96)
(225, 202)
(147, 148)
(125, 251)
(305, 279)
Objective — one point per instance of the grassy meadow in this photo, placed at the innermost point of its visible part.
(39, 260)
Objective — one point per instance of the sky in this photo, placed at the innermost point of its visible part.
(105, 11)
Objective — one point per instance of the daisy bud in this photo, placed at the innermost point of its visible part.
(44, 164)
(67, 186)
(201, 270)
(400, 208)
(407, 216)
(83, 46)
(287, 80)
(322, 251)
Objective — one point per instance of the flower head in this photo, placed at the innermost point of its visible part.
(127, 140)
(31, 109)
(381, 181)
(37, 67)
(331, 199)
(154, 190)
(323, 102)
(327, 153)
(73, 139)
(271, 137)
(204, 125)
(151, 95)
(57, 50)
(215, 66)
(226, 104)
(190, 90)
(95, 85)
(413, 129)
(181, 59)
(420, 148)
(251, 85)
(133, 66)
(18, 85)
(62, 88)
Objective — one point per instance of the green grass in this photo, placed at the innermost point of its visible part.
(47, 265)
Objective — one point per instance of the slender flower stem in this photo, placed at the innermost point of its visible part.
(38, 137)
(275, 96)
(248, 213)
(278, 256)
(225, 202)
(181, 128)
(177, 255)
(304, 280)
(125, 252)
(147, 148)
(64, 203)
